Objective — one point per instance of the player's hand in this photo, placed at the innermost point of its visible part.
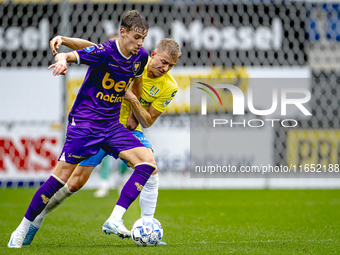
(55, 44)
(131, 123)
(129, 96)
(60, 67)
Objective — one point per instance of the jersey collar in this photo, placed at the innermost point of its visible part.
(121, 52)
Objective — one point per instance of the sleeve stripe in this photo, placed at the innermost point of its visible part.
(157, 107)
(77, 56)
(139, 75)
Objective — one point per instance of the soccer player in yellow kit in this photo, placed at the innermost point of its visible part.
(159, 88)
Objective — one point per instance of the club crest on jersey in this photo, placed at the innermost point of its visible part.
(89, 49)
(136, 66)
(154, 90)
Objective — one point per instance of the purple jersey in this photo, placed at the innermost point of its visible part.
(108, 77)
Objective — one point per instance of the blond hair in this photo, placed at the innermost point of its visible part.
(170, 46)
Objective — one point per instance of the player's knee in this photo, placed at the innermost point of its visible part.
(152, 161)
(73, 187)
(64, 170)
(156, 171)
(148, 159)
(64, 175)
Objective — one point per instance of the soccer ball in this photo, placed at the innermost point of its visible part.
(147, 232)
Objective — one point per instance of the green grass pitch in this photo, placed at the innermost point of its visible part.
(194, 221)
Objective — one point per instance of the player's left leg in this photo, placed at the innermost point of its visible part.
(121, 169)
(149, 194)
(104, 172)
(131, 190)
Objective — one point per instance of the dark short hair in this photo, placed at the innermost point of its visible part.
(133, 20)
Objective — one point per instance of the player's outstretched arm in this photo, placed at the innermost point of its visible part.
(145, 118)
(73, 43)
(61, 60)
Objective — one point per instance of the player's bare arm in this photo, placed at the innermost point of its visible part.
(136, 88)
(61, 60)
(132, 122)
(73, 43)
(145, 118)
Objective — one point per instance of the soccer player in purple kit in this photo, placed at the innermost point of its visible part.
(94, 119)
(159, 88)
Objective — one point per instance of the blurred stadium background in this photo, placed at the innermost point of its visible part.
(259, 39)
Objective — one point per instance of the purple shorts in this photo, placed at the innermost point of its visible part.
(83, 142)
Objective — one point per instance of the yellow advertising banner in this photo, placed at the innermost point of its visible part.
(181, 102)
(313, 146)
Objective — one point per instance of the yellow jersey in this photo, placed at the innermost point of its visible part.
(157, 92)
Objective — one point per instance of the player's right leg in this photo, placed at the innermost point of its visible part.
(77, 180)
(40, 200)
(80, 144)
